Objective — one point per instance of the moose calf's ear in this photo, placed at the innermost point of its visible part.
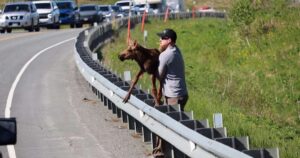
(135, 43)
(130, 43)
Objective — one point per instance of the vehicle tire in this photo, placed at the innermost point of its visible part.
(79, 25)
(72, 25)
(31, 28)
(57, 25)
(37, 28)
(2, 31)
(8, 30)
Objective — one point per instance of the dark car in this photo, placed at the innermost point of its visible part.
(88, 14)
(67, 10)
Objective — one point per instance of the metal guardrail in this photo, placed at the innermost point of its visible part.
(181, 133)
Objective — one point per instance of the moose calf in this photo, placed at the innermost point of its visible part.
(148, 61)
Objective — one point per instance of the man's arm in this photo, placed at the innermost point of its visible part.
(162, 67)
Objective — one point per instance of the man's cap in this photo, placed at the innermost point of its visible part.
(168, 33)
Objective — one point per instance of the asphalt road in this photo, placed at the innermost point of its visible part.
(54, 120)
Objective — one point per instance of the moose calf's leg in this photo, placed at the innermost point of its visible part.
(125, 100)
(159, 94)
(154, 94)
(154, 90)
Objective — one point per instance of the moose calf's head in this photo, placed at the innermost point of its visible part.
(129, 52)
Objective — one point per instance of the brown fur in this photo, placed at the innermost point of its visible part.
(147, 59)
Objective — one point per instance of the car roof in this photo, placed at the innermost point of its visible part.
(84, 5)
(65, 1)
(42, 1)
(124, 1)
(13, 3)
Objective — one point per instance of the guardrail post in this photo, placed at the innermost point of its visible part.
(153, 139)
(138, 127)
(114, 108)
(130, 122)
(119, 112)
(178, 154)
(168, 150)
(101, 97)
(124, 117)
(146, 134)
(104, 100)
(109, 104)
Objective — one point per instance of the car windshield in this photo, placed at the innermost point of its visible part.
(104, 8)
(123, 4)
(116, 8)
(154, 6)
(64, 5)
(140, 5)
(88, 8)
(16, 8)
(43, 5)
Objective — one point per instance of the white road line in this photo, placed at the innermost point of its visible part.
(11, 148)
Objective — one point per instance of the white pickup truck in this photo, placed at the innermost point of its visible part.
(49, 13)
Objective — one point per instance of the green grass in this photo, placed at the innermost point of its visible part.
(254, 81)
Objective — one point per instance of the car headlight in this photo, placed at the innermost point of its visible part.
(50, 15)
(2, 18)
(77, 17)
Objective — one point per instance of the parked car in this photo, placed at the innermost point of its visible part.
(67, 10)
(125, 5)
(19, 15)
(119, 13)
(111, 11)
(107, 11)
(88, 14)
(156, 7)
(140, 8)
(49, 13)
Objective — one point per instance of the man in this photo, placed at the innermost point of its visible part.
(171, 70)
(171, 75)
